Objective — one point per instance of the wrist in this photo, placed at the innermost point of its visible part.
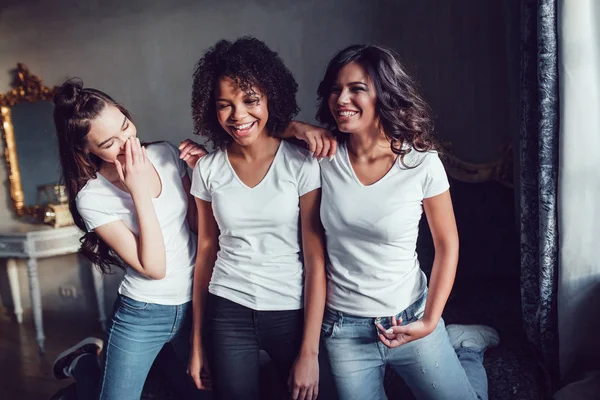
(430, 321)
(309, 351)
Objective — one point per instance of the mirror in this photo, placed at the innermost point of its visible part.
(31, 149)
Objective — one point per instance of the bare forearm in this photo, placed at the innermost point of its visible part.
(441, 282)
(314, 305)
(151, 243)
(202, 275)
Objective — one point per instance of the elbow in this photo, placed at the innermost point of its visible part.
(156, 273)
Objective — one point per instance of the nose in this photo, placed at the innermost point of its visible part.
(344, 97)
(124, 137)
(238, 114)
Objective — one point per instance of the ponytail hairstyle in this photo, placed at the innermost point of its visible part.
(74, 109)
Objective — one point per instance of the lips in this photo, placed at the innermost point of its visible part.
(346, 114)
(242, 129)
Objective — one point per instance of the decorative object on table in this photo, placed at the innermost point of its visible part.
(53, 208)
(31, 150)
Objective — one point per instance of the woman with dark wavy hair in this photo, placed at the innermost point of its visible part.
(259, 282)
(380, 311)
(132, 200)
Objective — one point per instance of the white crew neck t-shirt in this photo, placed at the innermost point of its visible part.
(101, 202)
(259, 263)
(372, 230)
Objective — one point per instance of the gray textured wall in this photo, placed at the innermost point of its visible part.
(143, 54)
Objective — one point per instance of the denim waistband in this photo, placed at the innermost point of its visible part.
(407, 315)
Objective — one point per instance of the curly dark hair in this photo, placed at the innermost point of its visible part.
(250, 63)
(403, 113)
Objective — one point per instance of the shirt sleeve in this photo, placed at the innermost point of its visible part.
(309, 176)
(199, 188)
(93, 213)
(436, 180)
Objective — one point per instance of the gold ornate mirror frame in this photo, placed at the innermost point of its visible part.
(27, 88)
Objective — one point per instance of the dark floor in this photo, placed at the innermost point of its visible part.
(25, 375)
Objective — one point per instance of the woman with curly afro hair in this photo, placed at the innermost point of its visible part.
(259, 281)
(386, 171)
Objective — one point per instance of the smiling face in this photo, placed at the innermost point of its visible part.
(108, 134)
(243, 115)
(352, 100)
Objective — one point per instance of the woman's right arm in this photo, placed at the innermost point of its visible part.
(146, 253)
(208, 246)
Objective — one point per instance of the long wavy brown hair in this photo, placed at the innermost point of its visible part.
(403, 114)
(74, 109)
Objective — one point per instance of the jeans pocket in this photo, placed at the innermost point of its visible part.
(329, 324)
(132, 304)
(416, 310)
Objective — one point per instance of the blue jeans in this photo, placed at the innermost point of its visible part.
(429, 366)
(136, 334)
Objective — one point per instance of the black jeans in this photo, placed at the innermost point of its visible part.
(234, 336)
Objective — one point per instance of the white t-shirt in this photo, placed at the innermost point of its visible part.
(101, 202)
(371, 233)
(259, 263)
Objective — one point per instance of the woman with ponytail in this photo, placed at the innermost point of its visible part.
(132, 201)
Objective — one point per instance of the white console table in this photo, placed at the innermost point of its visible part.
(32, 242)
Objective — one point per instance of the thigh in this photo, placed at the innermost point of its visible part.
(232, 348)
(280, 335)
(136, 333)
(356, 361)
(430, 367)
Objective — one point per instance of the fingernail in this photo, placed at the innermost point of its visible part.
(330, 158)
(390, 331)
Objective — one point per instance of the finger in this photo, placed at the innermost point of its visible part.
(128, 155)
(183, 143)
(325, 149)
(312, 145)
(302, 395)
(144, 155)
(318, 147)
(315, 392)
(295, 392)
(185, 150)
(389, 334)
(119, 168)
(137, 150)
(394, 321)
(199, 150)
(389, 343)
(397, 330)
(332, 148)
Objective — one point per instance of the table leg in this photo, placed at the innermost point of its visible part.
(99, 288)
(15, 290)
(36, 301)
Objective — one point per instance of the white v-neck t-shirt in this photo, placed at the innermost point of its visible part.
(100, 202)
(372, 230)
(259, 263)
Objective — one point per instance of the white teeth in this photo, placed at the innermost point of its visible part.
(347, 113)
(242, 127)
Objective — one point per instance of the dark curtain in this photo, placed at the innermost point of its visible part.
(538, 159)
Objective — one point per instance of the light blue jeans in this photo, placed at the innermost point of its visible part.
(430, 366)
(136, 334)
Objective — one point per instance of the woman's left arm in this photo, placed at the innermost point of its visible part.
(440, 216)
(304, 376)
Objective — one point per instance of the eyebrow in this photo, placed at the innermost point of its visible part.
(112, 137)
